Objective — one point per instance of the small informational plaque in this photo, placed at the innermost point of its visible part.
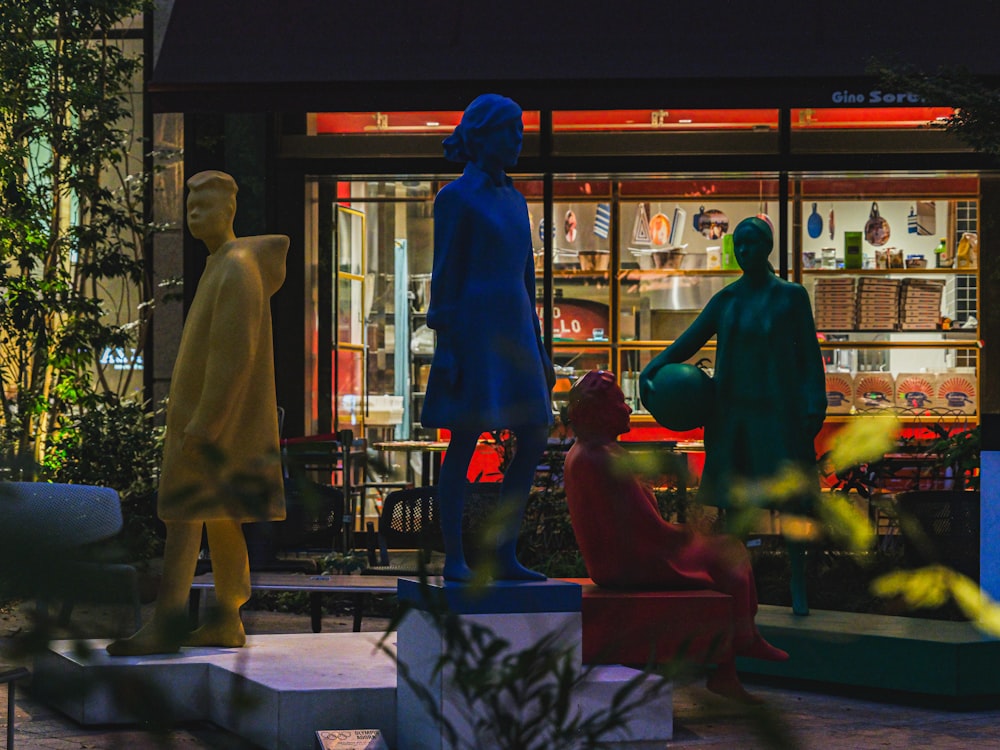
(350, 739)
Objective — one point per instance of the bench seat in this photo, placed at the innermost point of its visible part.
(316, 585)
(636, 627)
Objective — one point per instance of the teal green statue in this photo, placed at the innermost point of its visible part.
(769, 385)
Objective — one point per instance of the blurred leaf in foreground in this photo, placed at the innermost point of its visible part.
(931, 587)
(864, 440)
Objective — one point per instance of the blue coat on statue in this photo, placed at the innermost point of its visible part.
(490, 368)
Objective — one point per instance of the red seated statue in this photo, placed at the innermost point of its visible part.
(626, 543)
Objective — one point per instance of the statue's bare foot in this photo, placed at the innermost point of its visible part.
(222, 632)
(512, 570)
(725, 682)
(761, 649)
(457, 570)
(152, 638)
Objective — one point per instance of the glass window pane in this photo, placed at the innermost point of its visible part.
(350, 321)
(386, 123)
(631, 120)
(349, 387)
(350, 241)
(881, 118)
(675, 247)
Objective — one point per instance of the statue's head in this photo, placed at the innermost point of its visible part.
(211, 204)
(597, 408)
(490, 133)
(752, 243)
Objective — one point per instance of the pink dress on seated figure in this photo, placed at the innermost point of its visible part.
(625, 541)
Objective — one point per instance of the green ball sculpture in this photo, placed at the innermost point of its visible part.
(679, 396)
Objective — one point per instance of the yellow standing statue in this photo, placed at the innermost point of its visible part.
(220, 459)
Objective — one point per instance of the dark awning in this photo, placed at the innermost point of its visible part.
(314, 55)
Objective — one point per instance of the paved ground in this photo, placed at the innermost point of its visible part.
(790, 718)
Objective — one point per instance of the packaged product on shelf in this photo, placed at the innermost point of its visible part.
(915, 390)
(853, 257)
(839, 393)
(926, 218)
(956, 391)
(967, 252)
(874, 390)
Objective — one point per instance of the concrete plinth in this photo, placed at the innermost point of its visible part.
(276, 692)
(948, 660)
(521, 614)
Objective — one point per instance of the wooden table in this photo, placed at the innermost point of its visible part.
(316, 585)
(427, 449)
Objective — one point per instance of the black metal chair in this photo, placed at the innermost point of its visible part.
(410, 520)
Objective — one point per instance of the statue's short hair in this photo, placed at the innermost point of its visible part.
(212, 179)
(586, 401)
(753, 225)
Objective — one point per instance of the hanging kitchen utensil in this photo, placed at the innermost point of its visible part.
(541, 231)
(677, 227)
(640, 228)
(814, 225)
(659, 230)
(602, 220)
(569, 226)
(830, 223)
(696, 219)
(876, 228)
(713, 223)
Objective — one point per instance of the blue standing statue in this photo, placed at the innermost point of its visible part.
(490, 369)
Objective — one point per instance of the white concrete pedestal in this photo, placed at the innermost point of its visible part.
(520, 614)
(276, 692)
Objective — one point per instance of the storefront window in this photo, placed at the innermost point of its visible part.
(634, 258)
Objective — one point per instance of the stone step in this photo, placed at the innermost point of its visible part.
(903, 654)
(276, 692)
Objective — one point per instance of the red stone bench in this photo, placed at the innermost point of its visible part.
(635, 627)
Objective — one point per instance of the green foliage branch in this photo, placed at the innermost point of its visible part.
(976, 120)
(73, 278)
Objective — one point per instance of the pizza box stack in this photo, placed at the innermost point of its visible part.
(835, 304)
(878, 304)
(920, 304)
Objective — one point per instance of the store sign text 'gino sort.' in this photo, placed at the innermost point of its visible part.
(875, 96)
